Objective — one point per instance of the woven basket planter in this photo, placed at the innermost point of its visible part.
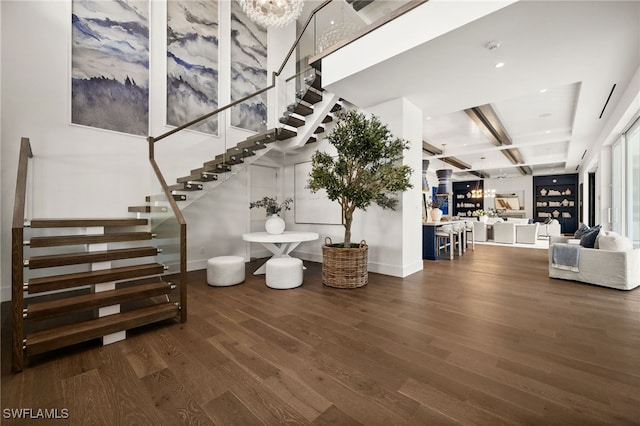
(344, 267)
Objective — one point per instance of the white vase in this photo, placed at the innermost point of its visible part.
(274, 224)
(436, 215)
(483, 218)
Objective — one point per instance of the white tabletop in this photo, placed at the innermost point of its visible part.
(285, 237)
(443, 222)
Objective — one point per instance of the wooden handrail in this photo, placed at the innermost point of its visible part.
(17, 256)
(183, 235)
(21, 183)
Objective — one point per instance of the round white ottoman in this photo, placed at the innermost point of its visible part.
(284, 272)
(225, 270)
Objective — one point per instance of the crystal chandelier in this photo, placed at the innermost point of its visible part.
(334, 34)
(272, 13)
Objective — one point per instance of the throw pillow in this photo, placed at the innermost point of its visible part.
(609, 240)
(580, 231)
(588, 238)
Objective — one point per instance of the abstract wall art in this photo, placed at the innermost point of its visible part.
(110, 65)
(248, 71)
(192, 62)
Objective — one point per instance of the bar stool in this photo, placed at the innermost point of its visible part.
(469, 229)
(458, 231)
(444, 239)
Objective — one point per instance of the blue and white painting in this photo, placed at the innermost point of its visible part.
(110, 65)
(248, 71)
(192, 62)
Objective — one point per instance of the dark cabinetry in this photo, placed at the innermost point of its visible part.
(467, 197)
(556, 197)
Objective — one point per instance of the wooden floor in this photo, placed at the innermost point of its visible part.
(487, 339)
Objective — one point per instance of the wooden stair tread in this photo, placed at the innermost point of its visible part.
(238, 152)
(359, 4)
(186, 186)
(62, 240)
(292, 121)
(198, 177)
(73, 223)
(55, 338)
(301, 109)
(162, 197)
(267, 136)
(57, 282)
(230, 159)
(85, 302)
(285, 134)
(148, 209)
(48, 261)
(311, 96)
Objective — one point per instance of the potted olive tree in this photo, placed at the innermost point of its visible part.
(366, 170)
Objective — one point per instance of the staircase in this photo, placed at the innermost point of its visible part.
(300, 124)
(113, 283)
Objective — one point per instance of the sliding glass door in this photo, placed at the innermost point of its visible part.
(632, 139)
(625, 184)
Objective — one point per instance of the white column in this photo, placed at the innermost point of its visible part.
(401, 254)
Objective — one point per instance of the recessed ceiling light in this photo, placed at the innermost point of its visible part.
(428, 118)
(500, 65)
(543, 90)
(545, 114)
(548, 131)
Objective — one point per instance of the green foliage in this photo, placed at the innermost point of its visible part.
(368, 168)
(271, 205)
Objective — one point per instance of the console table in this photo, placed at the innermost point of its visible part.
(278, 244)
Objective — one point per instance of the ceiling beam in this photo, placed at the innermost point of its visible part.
(480, 174)
(456, 163)
(487, 120)
(430, 149)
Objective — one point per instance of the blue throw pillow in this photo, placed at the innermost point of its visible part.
(580, 231)
(588, 239)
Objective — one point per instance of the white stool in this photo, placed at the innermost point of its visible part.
(284, 272)
(225, 270)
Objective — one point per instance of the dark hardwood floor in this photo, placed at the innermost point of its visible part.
(486, 339)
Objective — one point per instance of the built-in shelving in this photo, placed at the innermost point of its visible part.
(556, 197)
(467, 197)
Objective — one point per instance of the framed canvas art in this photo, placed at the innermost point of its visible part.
(192, 62)
(110, 65)
(248, 71)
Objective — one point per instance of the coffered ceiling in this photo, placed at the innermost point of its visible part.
(565, 66)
